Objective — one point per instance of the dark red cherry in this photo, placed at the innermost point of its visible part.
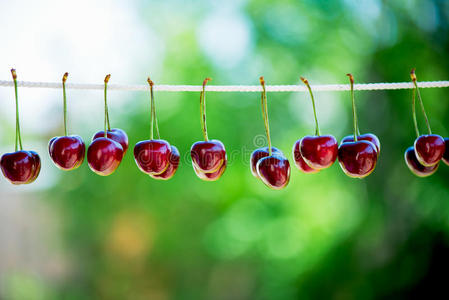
(210, 176)
(115, 134)
(67, 152)
(274, 171)
(445, 158)
(208, 156)
(415, 166)
(172, 165)
(152, 156)
(364, 137)
(357, 159)
(319, 152)
(429, 149)
(261, 153)
(104, 156)
(20, 167)
(299, 160)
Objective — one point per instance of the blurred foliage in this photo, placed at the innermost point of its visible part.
(325, 235)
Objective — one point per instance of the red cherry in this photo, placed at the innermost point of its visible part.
(364, 137)
(274, 171)
(172, 166)
(429, 149)
(445, 158)
(208, 156)
(357, 159)
(104, 156)
(261, 153)
(67, 152)
(319, 152)
(299, 160)
(20, 167)
(210, 176)
(152, 156)
(115, 134)
(415, 166)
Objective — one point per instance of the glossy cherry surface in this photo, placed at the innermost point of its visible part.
(364, 137)
(67, 152)
(261, 153)
(429, 149)
(20, 167)
(115, 134)
(319, 152)
(172, 165)
(415, 166)
(299, 160)
(152, 156)
(357, 159)
(445, 157)
(210, 176)
(208, 156)
(274, 171)
(104, 156)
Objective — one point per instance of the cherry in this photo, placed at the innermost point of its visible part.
(152, 156)
(105, 153)
(299, 160)
(208, 156)
(415, 166)
(104, 156)
(429, 149)
(364, 137)
(67, 152)
(445, 158)
(258, 154)
(172, 166)
(20, 166)
(358, 157)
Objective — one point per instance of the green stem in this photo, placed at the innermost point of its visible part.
(317, 127)
(413, 76)
(18, 142)
(354, 112)
(203, 109)
(107, 125)
(265, 114)
(64, 79)
(414, 113)
(153, 118)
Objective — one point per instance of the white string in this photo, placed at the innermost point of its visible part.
(230, 88)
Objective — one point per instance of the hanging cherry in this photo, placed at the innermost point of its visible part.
(445, 158)
(313, 153)
(357, 156)
(108, 147)
(20, 166)
(67, 152)
(156, 157)
(209, 156)
(270, 163)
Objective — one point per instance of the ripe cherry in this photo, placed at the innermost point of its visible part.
(364, 137)
(20, 167)
(172, 165)
(299, 160)
(208, 156)
(415, 166)
(259, 154)
(445, 158)
(67, 152)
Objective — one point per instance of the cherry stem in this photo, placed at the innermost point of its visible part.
(18, 136)
(64, 79)
(413, 77)
(354, 112)
(107, 125)
(153, 118)
(265, 113)
(317, 127)
(203, 109)
(415, 122)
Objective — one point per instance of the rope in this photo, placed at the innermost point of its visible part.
(230, 88)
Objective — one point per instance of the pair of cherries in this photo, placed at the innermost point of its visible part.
(424, 156)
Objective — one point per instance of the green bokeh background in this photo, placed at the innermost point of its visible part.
(325, 236)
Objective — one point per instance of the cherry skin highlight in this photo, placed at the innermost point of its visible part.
(210, 176)
(429, 149)
(445, 157)
(104, 156)
(299, 160)
(274, 171)
(152, 156)
(208, 156)
(319, 152)
(67, 152)
(357, 159)
(172, 165)
(115, 134)
(364, 137)
(259, 154)
(20, 167)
